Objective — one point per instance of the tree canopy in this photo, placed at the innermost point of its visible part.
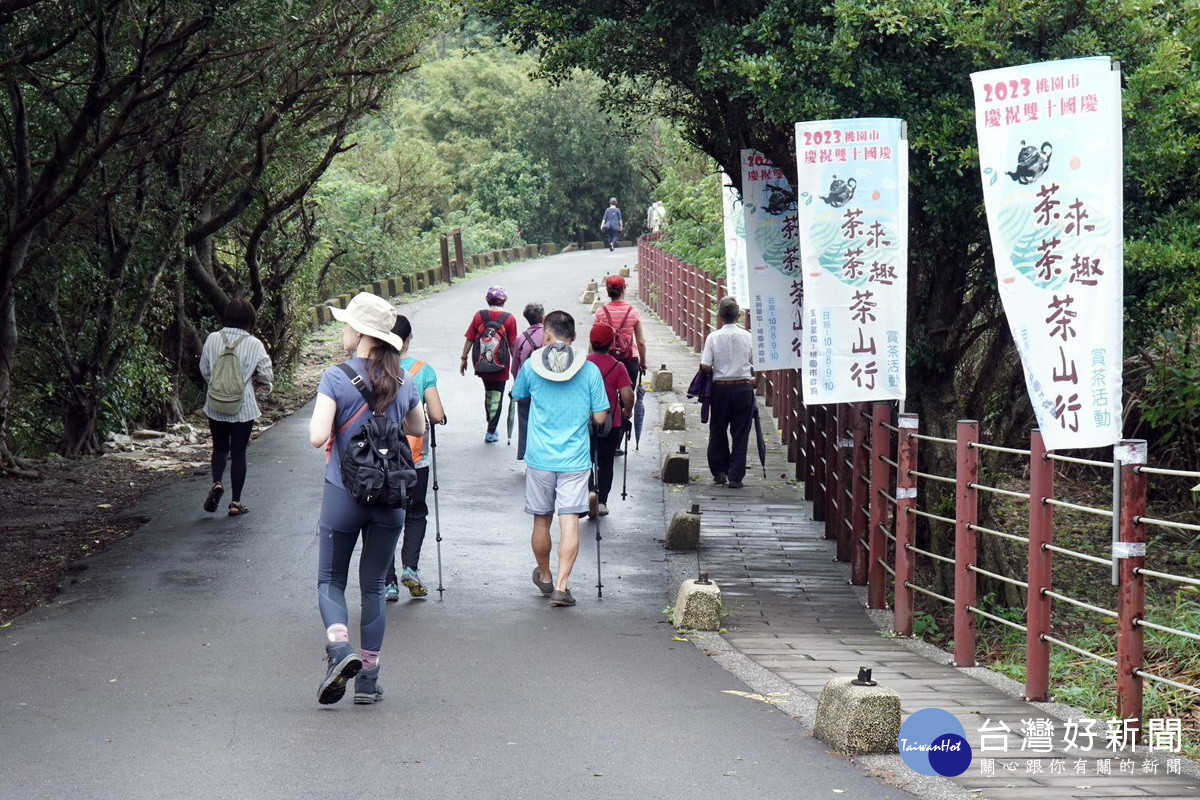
(738, 75)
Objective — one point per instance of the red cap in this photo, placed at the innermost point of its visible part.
(616, 281)
(602, 335)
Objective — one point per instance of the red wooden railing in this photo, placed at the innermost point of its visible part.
(858, 465)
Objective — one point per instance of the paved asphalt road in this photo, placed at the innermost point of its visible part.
(185, 662)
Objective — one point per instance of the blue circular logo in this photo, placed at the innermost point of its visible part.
(933, 742)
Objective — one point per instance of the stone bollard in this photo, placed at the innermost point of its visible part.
(661, 380)
(698, 605)
(684, 531)
(675, 467)
(597, 304)
(623, 272)
(855, 716)
(593, 286)
(587, 297)
(675, 419)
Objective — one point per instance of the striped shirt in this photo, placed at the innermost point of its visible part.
(255, 363)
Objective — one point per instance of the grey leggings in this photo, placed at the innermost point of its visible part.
(342, 520)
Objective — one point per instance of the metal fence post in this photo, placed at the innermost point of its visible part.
(881, 441)
(965, 542)
(1041, 533)
(816, 460)
(845, 490)
(860, 491)
(1130, 553)
(906, 501)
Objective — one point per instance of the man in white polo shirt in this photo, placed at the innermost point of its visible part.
(726, 357)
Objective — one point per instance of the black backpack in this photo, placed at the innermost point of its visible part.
(377, 464)
(490, 351)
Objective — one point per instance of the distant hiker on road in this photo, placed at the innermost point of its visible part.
(566, 394)
(233, 361)
(620, 398)
(417, 517)
(529, 340)
(629, 345)
(727, 357)
(490, 340)
(612, 224)
(656, 216)
(340, 412)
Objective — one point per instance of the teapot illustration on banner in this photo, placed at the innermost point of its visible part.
(840, 192)
(1031, 163)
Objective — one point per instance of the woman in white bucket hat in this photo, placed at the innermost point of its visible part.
(375, 352)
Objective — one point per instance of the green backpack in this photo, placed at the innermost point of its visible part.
(226, 386)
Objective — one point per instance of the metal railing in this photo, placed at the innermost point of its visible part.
(858, 467)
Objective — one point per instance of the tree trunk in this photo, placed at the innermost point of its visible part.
(79, 412)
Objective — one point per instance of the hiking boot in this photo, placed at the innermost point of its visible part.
(344, 664)
(412, 579)
(602, 509)
(593, 505)
(720, 477)
(491, 438)
(735, 484)
(392, 592)
(546, 588)
(366, 687)
(558, 598)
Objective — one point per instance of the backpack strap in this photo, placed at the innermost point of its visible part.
(625, 318)
(416, 368)
(357, 382)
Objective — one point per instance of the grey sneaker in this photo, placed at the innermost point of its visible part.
(344, 664)
(545, 588)
(366, 687)
(558, 598)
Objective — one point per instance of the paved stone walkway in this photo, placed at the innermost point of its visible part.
(792, 611)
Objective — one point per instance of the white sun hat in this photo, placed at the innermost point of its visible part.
(372, 316)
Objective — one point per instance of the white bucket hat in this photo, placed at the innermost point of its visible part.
(372, 316)
(557, 362)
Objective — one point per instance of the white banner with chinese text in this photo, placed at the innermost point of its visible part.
(1050, 153)
(736, 282)
(852, 183)
(775, 302)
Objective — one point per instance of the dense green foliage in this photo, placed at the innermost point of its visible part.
(736, 75)
(472, 141)
(154, 159)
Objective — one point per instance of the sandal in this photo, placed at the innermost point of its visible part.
(236, 509)
(214, 497)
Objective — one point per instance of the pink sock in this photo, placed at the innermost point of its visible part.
(338, 633)
(370, 658)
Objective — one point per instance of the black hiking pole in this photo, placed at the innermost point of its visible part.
(437, 518)
(625, 466)
(596, 484)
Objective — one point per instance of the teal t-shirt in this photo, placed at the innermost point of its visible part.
(422, 380)
(560, 415)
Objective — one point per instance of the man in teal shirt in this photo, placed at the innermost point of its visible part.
(566, 394)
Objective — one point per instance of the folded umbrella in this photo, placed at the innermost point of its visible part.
(762, 445)
(512, 415)
(639, 415)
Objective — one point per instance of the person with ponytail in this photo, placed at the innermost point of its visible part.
(339, 411)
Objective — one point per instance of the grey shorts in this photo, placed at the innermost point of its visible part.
(547, 491)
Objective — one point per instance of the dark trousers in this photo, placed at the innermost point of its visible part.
(522, 426)
(604, 450)
(493, 402)
(730, 416)
(229, 443)
(341, 524)
(416, 521)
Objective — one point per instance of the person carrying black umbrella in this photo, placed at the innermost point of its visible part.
(726, 356)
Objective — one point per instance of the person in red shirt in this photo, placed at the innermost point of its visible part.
(627, 322)
(620, 399)
(494, 379)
